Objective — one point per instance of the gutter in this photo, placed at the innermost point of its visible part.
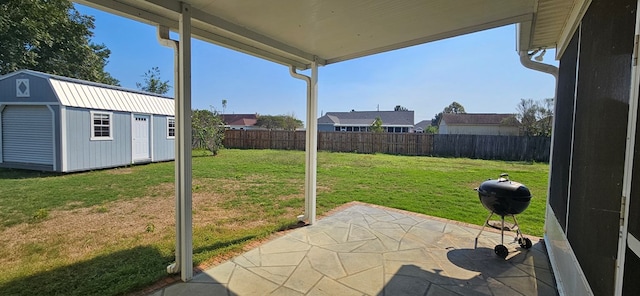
(525, 60)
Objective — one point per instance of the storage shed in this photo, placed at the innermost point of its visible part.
(60, 124)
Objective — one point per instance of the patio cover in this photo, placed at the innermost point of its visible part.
(303, 34)
(294, 32)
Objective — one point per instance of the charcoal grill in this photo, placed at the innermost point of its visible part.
(504, 197)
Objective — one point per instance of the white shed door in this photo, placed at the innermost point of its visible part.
(27, 135)
(140, 133)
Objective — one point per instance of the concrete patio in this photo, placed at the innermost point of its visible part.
(371, 250)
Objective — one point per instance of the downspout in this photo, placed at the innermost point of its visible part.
(311, 159)
(165, 40)
(525, 60)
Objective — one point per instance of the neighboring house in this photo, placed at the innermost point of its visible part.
(54, 123)
(422, 126)
(240, 121)
(479, 124)
(360, 121)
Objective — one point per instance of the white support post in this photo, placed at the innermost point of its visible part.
(184, 231)
(312, 146)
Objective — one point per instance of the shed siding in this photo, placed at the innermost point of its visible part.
(83, 153)
(163, 148)
(39, 90)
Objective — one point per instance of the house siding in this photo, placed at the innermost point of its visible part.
(86, 154)
(481, 130)
(163, 148)
(326, 127)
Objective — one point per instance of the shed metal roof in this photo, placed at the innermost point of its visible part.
(91, 95)
(294, 32)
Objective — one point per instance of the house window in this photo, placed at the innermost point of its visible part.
(343, 128)
(101, 123)
(337, 129)
(171, 127)
(349, 128)
(356, 128)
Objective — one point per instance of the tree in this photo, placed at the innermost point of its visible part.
(400, 108)
(51, 37)
(153, 82)
(432, 129)
(376, 126)
(291, 123)
(285, 122)
(207, 129)
(224, 105)
(454, 107)
(535, 117)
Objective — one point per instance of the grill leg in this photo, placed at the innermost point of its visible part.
(483, 226)
(517, 227)
(502, 231)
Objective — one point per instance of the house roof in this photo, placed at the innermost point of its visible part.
(479, 119)
(293, 32)
(423, 124)
(240, 119)
(396, 118)
(91, 95)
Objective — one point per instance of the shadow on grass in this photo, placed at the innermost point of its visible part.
(6, 173)
(112, 274)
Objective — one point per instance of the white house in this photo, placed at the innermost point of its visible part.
(479, 124)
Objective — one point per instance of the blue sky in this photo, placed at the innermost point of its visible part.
(481, 71)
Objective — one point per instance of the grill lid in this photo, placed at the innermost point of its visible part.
(503, 187)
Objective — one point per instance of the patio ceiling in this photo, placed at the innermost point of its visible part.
(294, 32)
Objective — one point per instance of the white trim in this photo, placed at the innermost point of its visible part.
(573, 130)
(131, 136)
(151, 130)
(94, 138)
(63, 138)
(570, 280)
(627, 180)
(32, 103)
(53, 138)
(571, 25)
(634, 244)
(27, 92)
(1, 109)
(174, 128)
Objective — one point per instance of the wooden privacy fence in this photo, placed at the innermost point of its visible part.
(472, 146)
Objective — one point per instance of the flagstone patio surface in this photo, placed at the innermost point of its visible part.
(372, 250)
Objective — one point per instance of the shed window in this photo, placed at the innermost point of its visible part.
(101, 126)
(171, 127)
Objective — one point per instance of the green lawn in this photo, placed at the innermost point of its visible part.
(111, 231)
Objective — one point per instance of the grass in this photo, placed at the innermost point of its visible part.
(112, 231)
